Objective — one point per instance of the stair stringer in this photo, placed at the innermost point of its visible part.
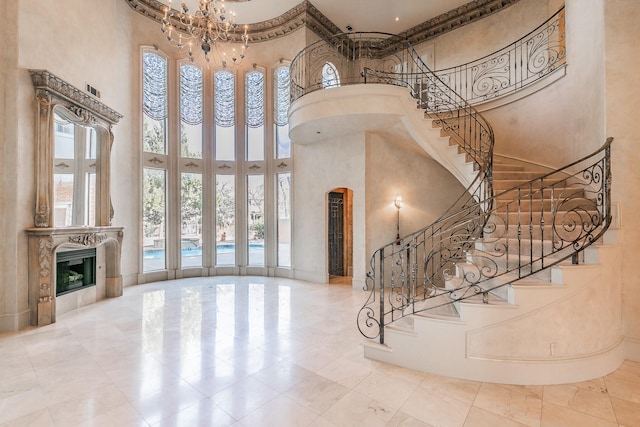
(440, 147)
(559, 331)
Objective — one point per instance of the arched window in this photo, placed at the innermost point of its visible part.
(254, 103)
(281, 103)
(190, 111)
(191, 177)
(225, 115)
(330, 76)
(255, 178)
(225, 151)
(154, 102)
(216, 184)
(154, 143)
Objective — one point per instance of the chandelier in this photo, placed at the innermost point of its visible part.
(205, 31)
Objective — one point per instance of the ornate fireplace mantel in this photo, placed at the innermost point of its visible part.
(43, 245)
(57, 101)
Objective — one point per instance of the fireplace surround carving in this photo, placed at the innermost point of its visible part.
(54, 98)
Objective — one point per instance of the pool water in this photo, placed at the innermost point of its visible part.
(221, 248)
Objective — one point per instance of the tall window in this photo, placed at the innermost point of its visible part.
(154, 143)
(216, 184)
(255, 131)
(191, 182)
(281, 98)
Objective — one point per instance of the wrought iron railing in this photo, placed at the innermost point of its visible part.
(525, 61)
(480, 245)
(477, 252)
(379, 58)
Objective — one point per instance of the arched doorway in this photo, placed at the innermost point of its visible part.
(340, 235)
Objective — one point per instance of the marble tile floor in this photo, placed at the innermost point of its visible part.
(255, 351)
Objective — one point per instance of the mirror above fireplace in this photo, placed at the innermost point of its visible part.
(73, 145)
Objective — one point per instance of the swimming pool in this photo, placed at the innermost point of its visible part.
(221, 248)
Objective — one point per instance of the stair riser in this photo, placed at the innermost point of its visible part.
(499, 167)
(513, 247)
(514, 175)
(507, 184)
(547, 193)
(496, 266)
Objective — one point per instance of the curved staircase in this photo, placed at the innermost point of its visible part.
(552, 325)
(519, 280)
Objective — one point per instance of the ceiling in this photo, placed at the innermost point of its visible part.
(390, 16)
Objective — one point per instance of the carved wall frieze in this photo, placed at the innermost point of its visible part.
(46, 82)
(42, 216)
(45, 293)
(307, 15)
(88, 239)
(44, 100)
(85, 116)
(44, 255)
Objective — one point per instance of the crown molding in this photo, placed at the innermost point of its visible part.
(307, 15)
(463, 15)
(304, 15)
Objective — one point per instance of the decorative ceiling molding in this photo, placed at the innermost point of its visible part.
(307, 15)
(303, 15)
(455, 18)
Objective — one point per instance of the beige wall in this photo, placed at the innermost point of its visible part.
(320, 168)
(427, 190)
(79, 42)
(622, 95)
(487, 35)
(13, 299)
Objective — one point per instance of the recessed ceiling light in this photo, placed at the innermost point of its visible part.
(397, 18)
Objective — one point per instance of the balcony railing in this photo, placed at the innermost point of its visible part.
(523, 62)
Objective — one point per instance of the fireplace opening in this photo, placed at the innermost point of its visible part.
(75, 270)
